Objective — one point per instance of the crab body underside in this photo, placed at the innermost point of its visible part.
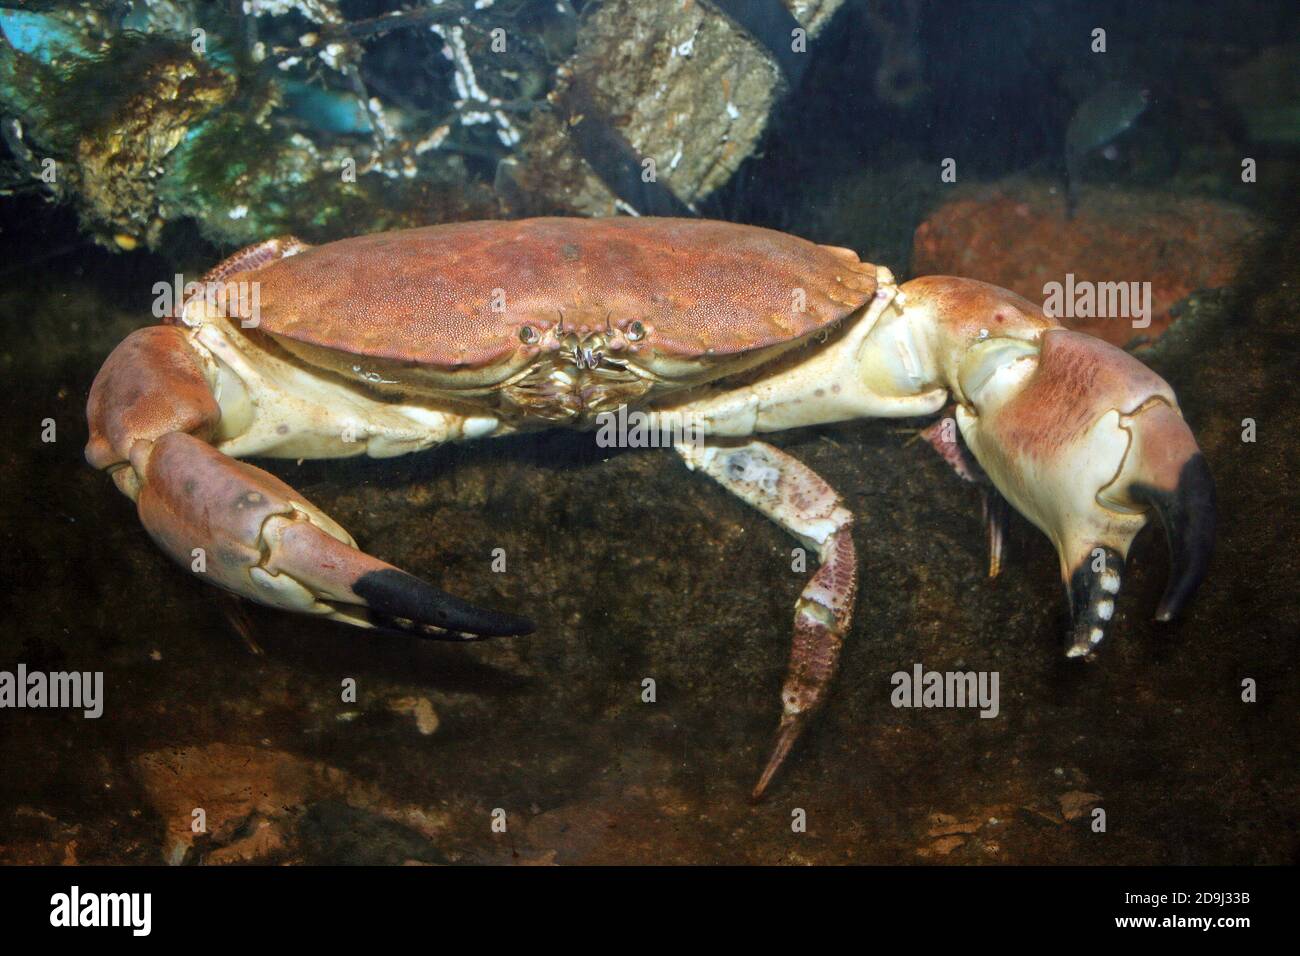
(397, 342)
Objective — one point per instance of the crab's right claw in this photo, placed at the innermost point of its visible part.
(252, 534)
(150, 411)
(1088, 443)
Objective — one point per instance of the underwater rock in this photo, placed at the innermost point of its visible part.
(183, 110)
(110, 122)
(420, 709)
(117, 164)
(659, 105)
(1076, 803)
(298, 116)
(251, 800)
(1014, 234)
(35, 837)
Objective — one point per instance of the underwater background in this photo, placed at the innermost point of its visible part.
(1006, 141)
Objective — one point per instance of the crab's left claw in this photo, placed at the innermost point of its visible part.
(1088, 443)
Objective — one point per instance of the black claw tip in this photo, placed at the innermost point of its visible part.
(394, 596)
(1094, 588)
(1187, 514)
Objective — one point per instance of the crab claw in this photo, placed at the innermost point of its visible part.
(1170, 475)
(1088, 443)
(252, 534)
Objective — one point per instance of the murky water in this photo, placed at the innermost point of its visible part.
(634, 568)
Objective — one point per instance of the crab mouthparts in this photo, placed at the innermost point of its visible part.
(577, 382)
(585, 353)
(585, 357)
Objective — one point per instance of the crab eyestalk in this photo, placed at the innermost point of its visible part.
(1082, 438)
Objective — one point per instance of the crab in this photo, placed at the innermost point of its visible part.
(397, 342)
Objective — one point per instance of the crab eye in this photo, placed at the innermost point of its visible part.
(635, 331)
(528, 335)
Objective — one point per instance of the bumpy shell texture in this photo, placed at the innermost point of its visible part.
(456, 296)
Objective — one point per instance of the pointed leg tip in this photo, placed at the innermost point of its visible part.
(765, 780)
(787, 733)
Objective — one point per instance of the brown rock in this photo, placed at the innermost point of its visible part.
(940, 829)
(1076, 803)
(250, 798)
(420, 708)
(941, 847)
(1015, 234)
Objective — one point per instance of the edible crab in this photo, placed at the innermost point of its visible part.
(394, 343)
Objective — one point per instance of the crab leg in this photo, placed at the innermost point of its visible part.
(151, 412)
(255, 256)
(796, 498)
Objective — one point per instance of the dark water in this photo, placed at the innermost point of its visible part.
(633, 567)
